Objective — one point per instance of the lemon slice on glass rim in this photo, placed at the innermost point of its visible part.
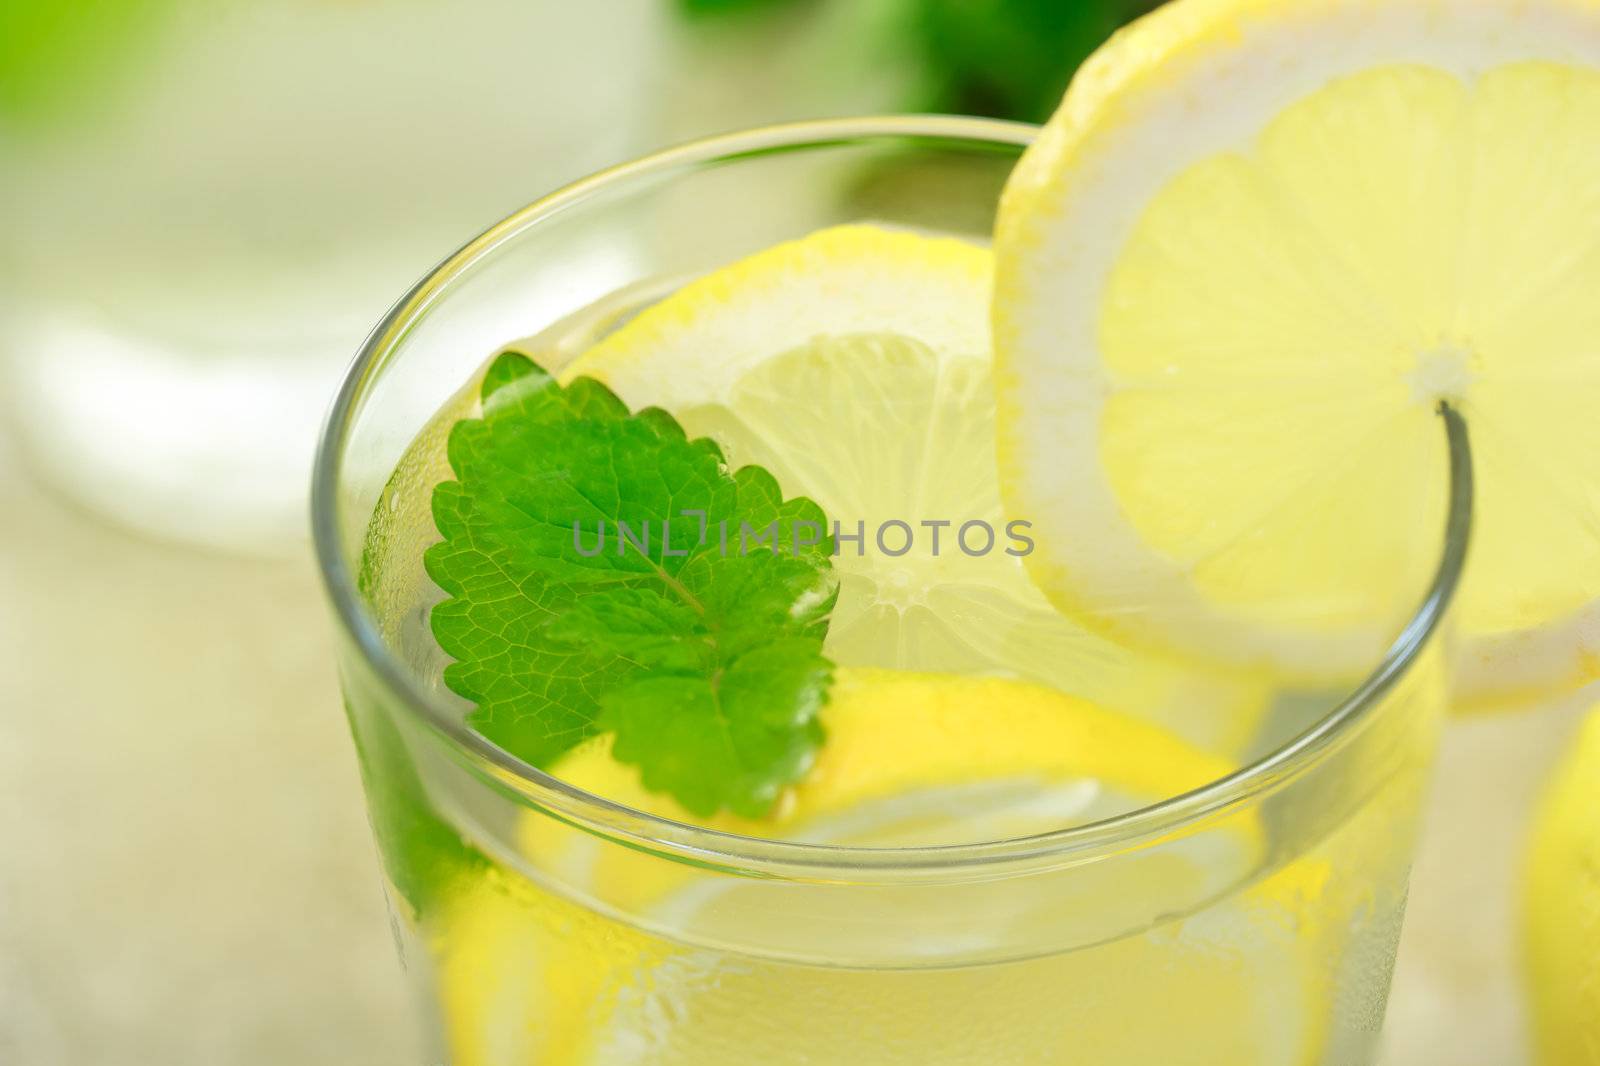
(1256, 247)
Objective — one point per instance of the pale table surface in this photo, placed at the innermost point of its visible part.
(186, 875)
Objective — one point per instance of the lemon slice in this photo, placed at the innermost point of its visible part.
(892, 733)
(529, 976)
(695, 344)
(1254, 250)
(524, 977)
(853, 365)
(1562, 910)
(910, 760)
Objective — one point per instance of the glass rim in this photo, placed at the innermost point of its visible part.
(792, 859)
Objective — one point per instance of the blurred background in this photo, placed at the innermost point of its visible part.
(204, 206)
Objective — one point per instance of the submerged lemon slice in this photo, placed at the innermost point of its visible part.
(1246, 261)
(894, 733)
(911, 760)
(524, 977)
(854, 366)
(1562, 910)
(529, 976)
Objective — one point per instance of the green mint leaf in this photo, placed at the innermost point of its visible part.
(695, 638)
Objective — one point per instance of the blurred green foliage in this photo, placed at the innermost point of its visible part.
(1002, 58)
(697, 8)
(1005, 58)
(56, 53)
(1009, 58)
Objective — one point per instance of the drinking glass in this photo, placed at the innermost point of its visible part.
(1249, 921)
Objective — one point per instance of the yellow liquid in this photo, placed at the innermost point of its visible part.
(666, 964)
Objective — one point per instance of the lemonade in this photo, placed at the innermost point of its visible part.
(860, 640)
(900, 902)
